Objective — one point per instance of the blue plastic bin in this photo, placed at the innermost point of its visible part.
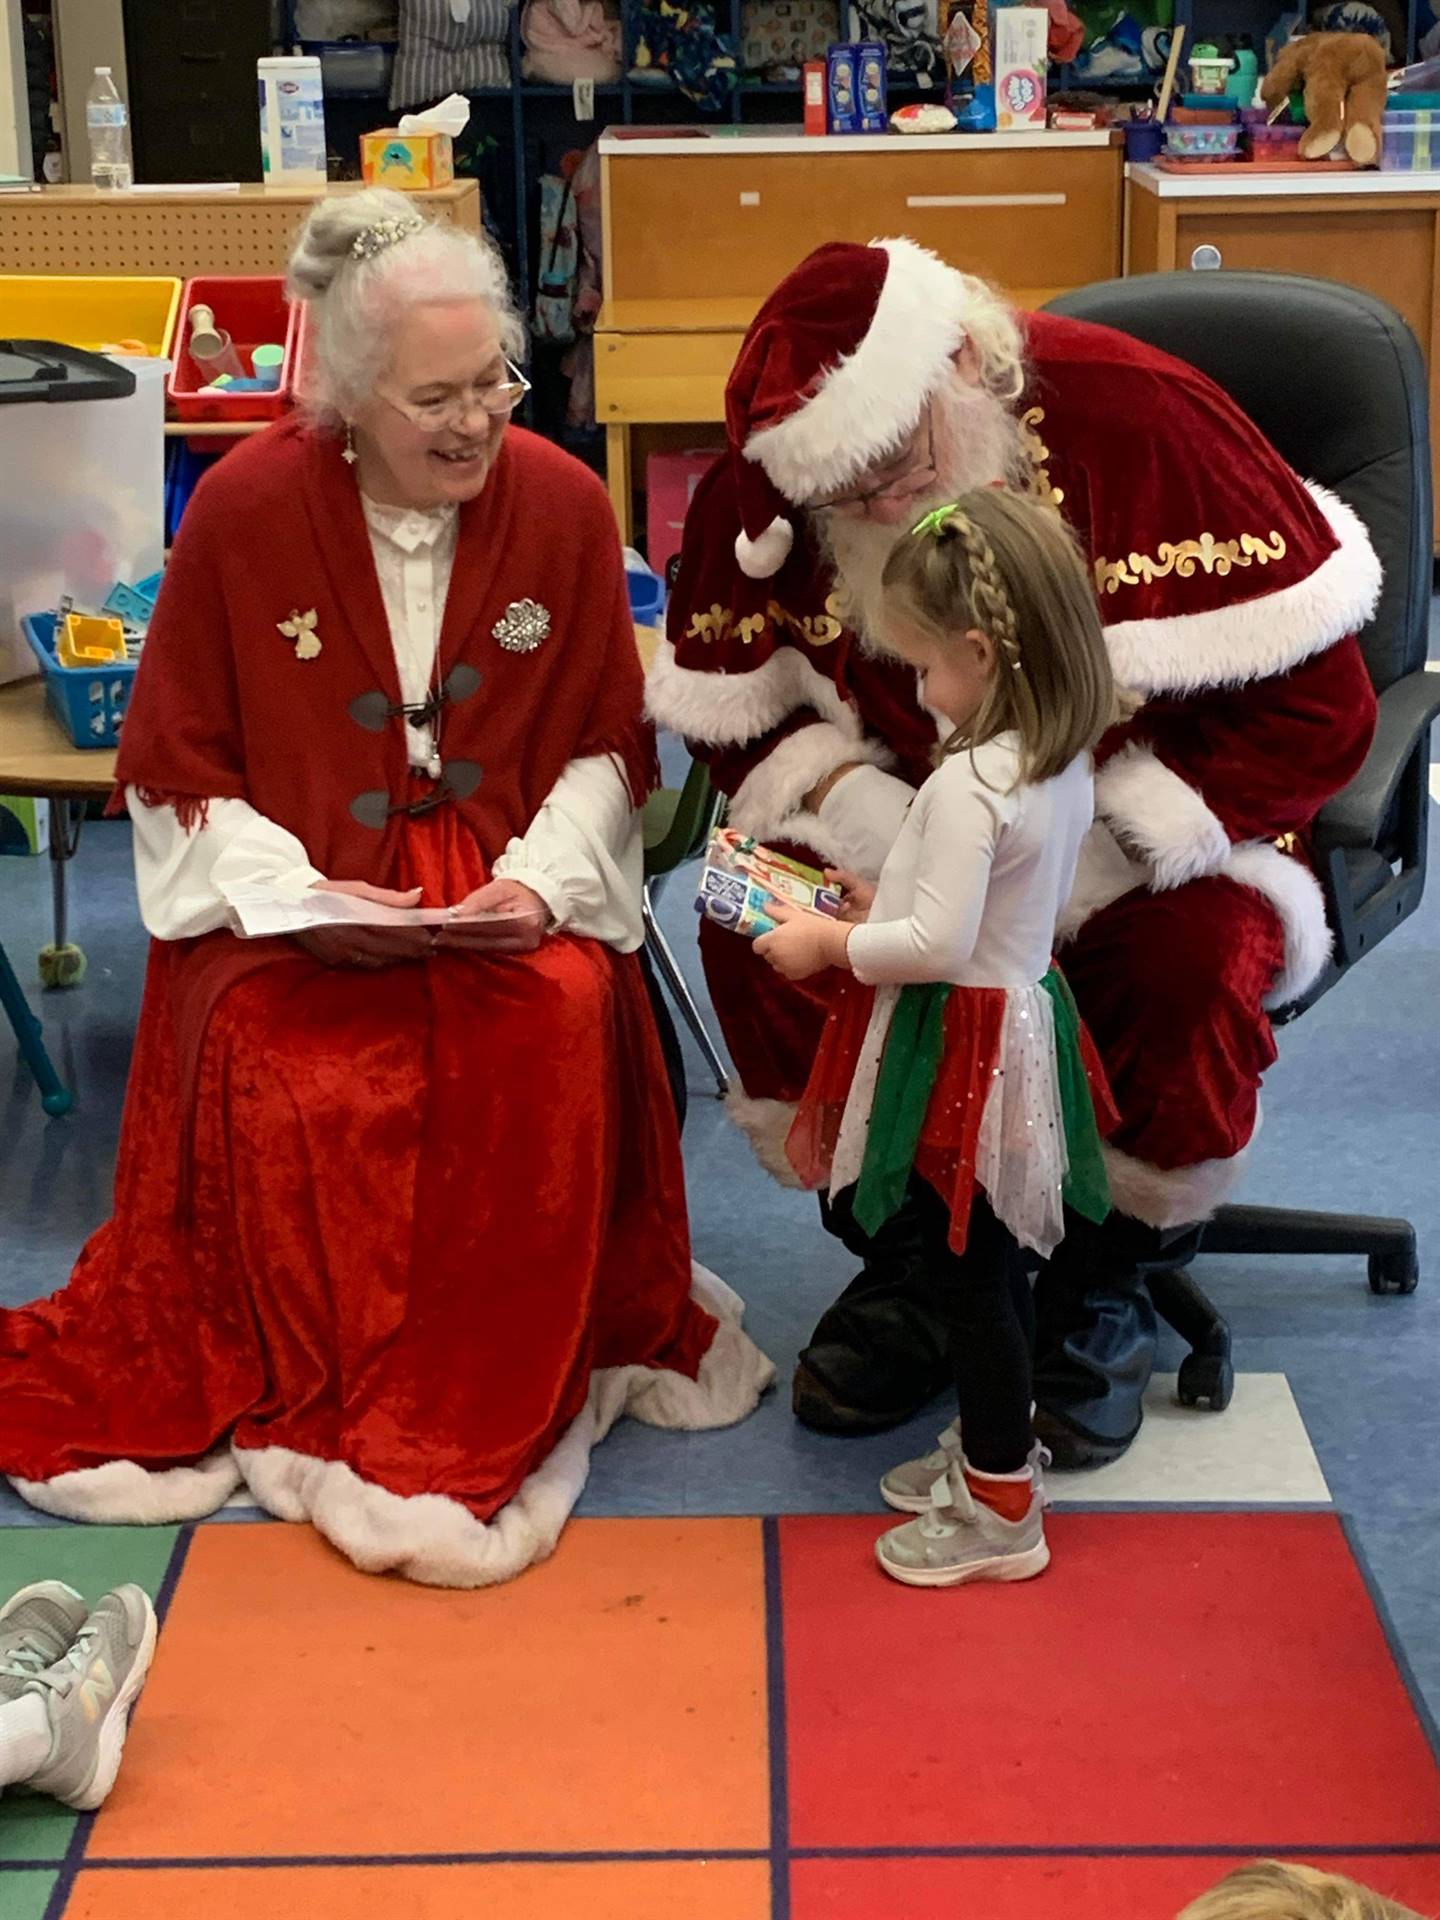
(647, 597)
(89, 703)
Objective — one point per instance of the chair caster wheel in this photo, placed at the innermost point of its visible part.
(1208, 1377)
(1394, 1272)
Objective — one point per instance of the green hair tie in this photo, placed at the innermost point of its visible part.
(934, 523)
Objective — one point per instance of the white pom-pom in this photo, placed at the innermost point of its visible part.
(761, 558)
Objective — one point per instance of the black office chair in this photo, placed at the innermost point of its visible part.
(1362, 431)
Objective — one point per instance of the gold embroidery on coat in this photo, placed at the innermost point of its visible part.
(1215, 556)
(1038, 455)
(719, 624)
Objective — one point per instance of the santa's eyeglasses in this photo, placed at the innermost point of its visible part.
(914, 476)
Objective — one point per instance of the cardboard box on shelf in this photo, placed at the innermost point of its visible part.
(1020, 35)
(409, 161)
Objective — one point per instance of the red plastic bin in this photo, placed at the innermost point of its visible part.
(253, 310)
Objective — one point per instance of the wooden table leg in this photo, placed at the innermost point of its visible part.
(620, 480)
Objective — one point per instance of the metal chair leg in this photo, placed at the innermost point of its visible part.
(658, 949)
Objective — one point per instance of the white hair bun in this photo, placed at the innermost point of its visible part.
(326, 245)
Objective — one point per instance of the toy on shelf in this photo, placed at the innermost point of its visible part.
(1343, 75)
(89, 640)
(211, 348)
(741, 880)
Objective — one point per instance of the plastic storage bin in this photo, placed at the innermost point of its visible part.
(93, 312)
(1411, 141)
(353, 69)
(89, 702)
(253, 311)
(1202, 143)
(82, 499)
(1279, 142)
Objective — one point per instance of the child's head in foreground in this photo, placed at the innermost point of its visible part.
(1271, 1890)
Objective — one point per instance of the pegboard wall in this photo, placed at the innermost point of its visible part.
(72, 231)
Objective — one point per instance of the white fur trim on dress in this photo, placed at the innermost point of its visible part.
(1158, 815)
(766, 1125)
(1256, 638)
(729, 709)
(428, 1537)
(870, 403)
(771, 796)
(1295, 894)
(122, 1493)
(1171, 1197)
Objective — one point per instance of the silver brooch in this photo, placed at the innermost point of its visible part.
(524, 624)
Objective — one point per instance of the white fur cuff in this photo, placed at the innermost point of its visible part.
(773, 793)
(1160, 817)
(1170, 1197)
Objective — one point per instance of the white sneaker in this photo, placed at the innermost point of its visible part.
(908, 1487)
(88, 1696)
(959, 1539)
(38, 1626)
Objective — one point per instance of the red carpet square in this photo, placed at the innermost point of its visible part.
(1174, 1679)
(1077, 1888)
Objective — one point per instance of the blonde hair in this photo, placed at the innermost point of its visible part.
(1272, 1890)
(356, 299)
(1009, 566)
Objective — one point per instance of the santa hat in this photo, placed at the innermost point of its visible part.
(832, 376)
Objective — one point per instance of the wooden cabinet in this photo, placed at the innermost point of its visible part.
(1377, 231)
(698, 232)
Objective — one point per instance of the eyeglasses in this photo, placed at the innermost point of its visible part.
(496, 398)
(914, 477)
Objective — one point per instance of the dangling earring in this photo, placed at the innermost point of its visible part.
(348, 453)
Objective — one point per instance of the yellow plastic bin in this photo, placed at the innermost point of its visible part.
(91, 311)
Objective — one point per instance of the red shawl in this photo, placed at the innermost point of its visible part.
(226, 708)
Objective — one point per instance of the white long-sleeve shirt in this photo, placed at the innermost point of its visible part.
(582, 852)
(973, 887)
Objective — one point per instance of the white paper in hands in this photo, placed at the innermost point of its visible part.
(258, 913)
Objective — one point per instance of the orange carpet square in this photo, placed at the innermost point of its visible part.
(624, 1890)
(1174, 1679)
(612, 1699)
(1077, 1888)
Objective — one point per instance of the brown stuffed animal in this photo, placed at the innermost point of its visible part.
(1343, 75)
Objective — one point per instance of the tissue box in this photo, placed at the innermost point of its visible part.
(409, 161)
(1020, 59)
(24, 824)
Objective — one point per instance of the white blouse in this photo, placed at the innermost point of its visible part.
(973, 887)
(582, 853)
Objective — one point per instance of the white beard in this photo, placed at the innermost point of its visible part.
(985, 438)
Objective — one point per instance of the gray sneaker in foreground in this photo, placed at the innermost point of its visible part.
(88, 1696)
(38, 1626)
(960, 1540)
(907, 1488)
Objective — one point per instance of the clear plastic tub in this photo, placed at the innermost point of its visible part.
(1275, 143)
(1411, 142)
(91, 510)
(1202, 143)
(353, 69)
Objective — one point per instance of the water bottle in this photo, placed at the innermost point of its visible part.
(107, 124)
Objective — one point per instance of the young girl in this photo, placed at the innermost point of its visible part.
(953, 1066)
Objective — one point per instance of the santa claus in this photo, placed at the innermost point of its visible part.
(875, 383)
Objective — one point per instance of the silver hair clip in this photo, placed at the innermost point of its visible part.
(372, 240)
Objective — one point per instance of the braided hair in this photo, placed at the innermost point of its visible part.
(1007, 565)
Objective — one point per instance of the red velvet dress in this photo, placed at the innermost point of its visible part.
(395, 1248)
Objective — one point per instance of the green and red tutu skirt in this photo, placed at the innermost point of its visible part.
(992, 1087)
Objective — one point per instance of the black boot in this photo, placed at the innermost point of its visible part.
(1095, 1338)
(880, 1353)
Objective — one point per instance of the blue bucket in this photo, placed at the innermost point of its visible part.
(89, 702)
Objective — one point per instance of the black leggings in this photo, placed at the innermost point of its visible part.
(985, 1296)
